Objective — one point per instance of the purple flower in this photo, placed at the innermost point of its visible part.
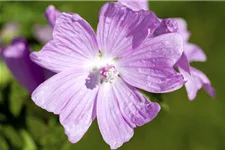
(195, 78)
(98, 76)
(51, 13)
(16, 57)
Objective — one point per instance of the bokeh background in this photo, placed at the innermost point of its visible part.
(181, 124)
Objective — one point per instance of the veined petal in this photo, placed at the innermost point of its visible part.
(114, 128)
(66, 94)
(120, 29)
(51, 13)
(182, 25)
(16, 57)
(195, 81)
(168, 25)
(150, 67)
(183, 63)
(135, 108)
(194, 53)
(167, 47)
(135, 4)
(155, 80)
(73, 46)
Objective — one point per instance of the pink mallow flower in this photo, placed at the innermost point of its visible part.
(99, 75)
(16, 57)
(194, 77)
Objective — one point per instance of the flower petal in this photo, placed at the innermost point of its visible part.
(183, 63)
(120, 29)
(136, 109)
(166, 49)
(155, 80)
(73, 45)
(150, 67)
(16, 57)
(66, 94)
(168, 25)
(114, 129)
(194, 53)
(182, 25)
(135, 4)
(51, 13)
(196, 81)
(42, 33)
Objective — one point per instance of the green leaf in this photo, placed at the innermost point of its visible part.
(3, 144)
(17, 98)
(12, 135)
(36, 128)
(29, 144)
(5, 75)
(55, 135)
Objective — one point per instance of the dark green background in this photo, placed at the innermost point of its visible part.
(181, 125)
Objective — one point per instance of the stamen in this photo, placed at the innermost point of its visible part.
(109, 73)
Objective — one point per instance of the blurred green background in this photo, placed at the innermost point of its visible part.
(181, 124)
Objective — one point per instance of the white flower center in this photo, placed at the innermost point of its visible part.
(109, 73)
(106, 68)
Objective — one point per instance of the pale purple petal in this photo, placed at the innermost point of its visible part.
(73, 46)
(150, 67)
(51, 14)
(166, 49)
(120, 29)
(42, 33)
(168, 25)
(183, 63)
(66, 94)
(135, 108)
(135, 4)
(194, 53)
(182, 25)
(16, 57)
(145, 28)
(195, 81)
(155, 80)
(114, 128)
